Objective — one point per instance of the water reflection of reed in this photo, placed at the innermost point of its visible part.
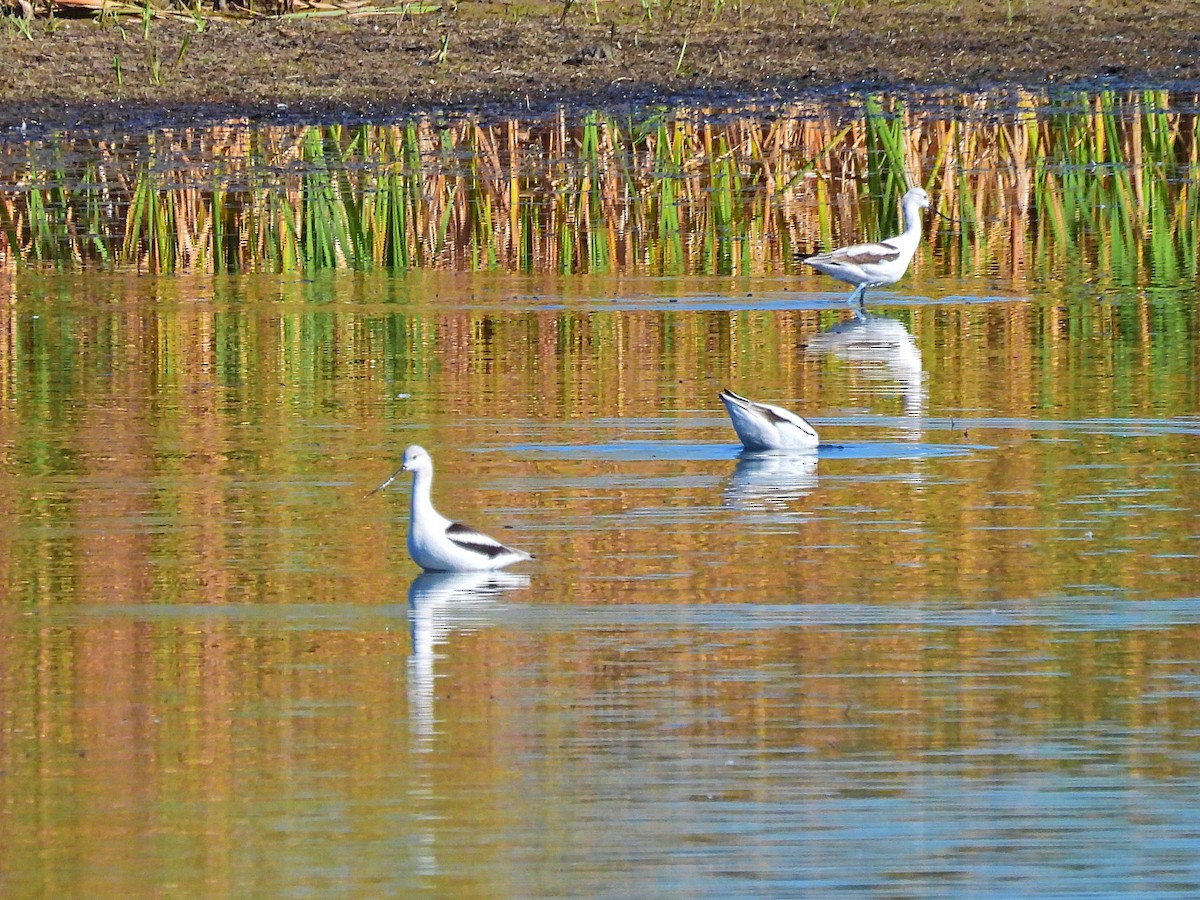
(97, 398)
(1105, 180)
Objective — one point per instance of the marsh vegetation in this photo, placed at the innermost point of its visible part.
(1031, 183)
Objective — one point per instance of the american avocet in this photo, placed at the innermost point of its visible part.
(874, 265)
(765, 427)
(434, 542)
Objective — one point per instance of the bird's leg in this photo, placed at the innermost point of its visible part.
(861, 310)
(856, 297)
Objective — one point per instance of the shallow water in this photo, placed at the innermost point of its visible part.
(953, 651)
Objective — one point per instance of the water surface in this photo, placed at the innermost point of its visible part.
(953, 651)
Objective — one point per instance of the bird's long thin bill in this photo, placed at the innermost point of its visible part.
(391, 478)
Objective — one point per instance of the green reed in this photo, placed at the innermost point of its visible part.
(724, 226)
(1103, 180)
(887, 161)
(150, 227)
(1123, 192)
(590, 198)
(669, 172)
(219, 261)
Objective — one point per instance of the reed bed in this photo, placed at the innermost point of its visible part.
(1033, 184)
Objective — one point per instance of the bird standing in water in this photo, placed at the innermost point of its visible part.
(437, 544)
(875, 265)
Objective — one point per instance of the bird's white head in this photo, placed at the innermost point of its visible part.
(416, 459)
(916, 197)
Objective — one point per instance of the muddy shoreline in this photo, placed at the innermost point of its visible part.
(502, 60)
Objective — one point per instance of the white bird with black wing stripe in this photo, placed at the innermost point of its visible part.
(765, 427)
(437, 544)
(876, 265)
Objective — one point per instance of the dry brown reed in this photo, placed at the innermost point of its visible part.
(681, 191)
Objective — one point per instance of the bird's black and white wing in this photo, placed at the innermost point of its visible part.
(771, 415)
(476, 542)
(859, 255)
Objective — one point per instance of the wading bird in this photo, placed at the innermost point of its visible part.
(765, 427)
(434, 542)
(874, 265)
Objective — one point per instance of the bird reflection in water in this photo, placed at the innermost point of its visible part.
(882, 349)
(771, 480)
(440, 603)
